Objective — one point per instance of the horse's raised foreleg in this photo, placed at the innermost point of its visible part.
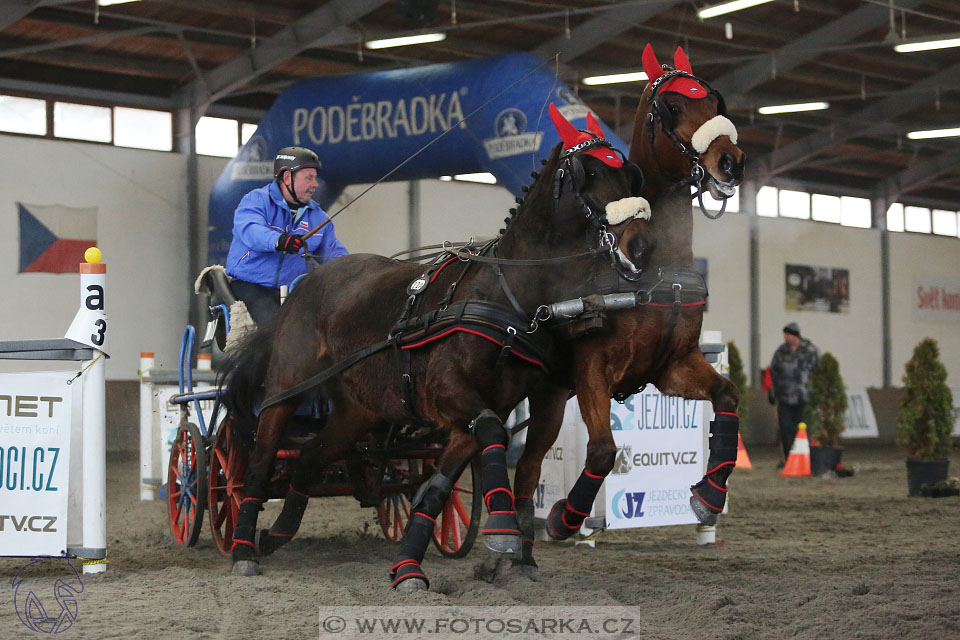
(546, 417)
(259, 470)
(692, 377)
(567, 515)
(406, 573)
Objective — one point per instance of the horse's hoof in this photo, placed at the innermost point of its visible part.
(704, 515)
(502, 543)
(412, 585)
(246, 568)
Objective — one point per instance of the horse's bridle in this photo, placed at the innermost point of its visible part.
(660, 110)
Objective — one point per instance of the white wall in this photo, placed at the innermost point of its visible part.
(725, 243)
(928, 258)
(855, 338)
(142, 230)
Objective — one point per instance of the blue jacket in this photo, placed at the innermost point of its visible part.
(260, 218)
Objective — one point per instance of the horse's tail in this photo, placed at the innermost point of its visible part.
(241, 380)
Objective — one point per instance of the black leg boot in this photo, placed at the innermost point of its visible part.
(710, 494)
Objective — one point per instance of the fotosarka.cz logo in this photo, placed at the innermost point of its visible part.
(46, 594)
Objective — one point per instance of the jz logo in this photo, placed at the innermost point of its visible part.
(628, 505)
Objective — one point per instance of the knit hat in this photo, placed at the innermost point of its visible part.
(793, 329)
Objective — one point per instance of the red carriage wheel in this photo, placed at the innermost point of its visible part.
(393, 511)
(187, 485)
(459, 521)
(228, 470)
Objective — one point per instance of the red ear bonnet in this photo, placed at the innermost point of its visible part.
(686, 86)
(571, 136)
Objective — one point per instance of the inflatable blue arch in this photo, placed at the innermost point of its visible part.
(363, 126)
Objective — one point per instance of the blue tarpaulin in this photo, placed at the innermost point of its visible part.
(363, 126)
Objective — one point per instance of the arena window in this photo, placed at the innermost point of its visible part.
(895, 217)
(794, 204)
(217, 137)
(142, 129)
(767, 202)
(855, 212)
(944, 222)
(247, 129)
(23, 115)
(825, 208)
(917, 219)
(82, 122)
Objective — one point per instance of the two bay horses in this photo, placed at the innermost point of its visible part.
(455, 347)
(681, 138)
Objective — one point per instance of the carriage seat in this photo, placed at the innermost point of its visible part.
(214, 282)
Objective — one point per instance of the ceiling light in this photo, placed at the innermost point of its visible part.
(793, 108)
(927, 45)
(728, 7)
(934, 133)
(107, 3)
(636, 76)
(404, 41)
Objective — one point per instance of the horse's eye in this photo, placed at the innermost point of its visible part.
(674, 111)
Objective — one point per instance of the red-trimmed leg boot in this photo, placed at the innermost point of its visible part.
(567, 515)
(710, 494)
(287, 523)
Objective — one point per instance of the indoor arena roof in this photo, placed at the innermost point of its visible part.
(233, 57)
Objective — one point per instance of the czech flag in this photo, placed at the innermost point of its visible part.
(53, 238)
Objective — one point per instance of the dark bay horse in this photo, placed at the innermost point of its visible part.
(681, 138)
(455, 348)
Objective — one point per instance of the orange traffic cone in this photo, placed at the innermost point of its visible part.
(743, 460)
(798, 462)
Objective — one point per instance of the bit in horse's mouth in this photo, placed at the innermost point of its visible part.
(626, 262)
(721, 190)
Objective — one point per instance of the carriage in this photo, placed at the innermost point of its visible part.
(602, 300)
(206, 468)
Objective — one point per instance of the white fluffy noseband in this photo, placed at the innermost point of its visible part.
(711, 130)
(625, 208)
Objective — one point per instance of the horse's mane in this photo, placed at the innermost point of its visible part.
(542, 187)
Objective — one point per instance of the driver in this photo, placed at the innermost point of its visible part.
(269, 223)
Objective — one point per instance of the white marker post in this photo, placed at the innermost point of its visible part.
(89, 327)
(147, 483)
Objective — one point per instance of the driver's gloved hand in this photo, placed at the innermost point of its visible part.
(290, 243)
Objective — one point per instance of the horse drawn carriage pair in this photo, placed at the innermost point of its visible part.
(585, 291)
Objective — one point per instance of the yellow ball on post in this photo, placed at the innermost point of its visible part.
(92, 255)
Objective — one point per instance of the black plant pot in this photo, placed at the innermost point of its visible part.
(925, 473)
(824, 459)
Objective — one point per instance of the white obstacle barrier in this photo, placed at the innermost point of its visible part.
(662, 449)
(57, 506)
(160, 419)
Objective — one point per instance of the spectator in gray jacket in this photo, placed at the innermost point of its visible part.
(790, 369)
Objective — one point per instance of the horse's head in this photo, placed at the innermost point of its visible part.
(681, 134)
(586, 196)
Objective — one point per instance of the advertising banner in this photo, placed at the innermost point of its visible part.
(859, 418)
(37, 410)
(660, 448)
(493, 110)
(936, 299)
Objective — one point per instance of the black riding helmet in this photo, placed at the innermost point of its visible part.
(293, 159)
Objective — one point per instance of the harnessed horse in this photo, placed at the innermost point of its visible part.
(465, 349)
(681, 138)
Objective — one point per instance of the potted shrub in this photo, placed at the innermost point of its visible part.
(926, 418)
(825, 408)
(739, 379)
